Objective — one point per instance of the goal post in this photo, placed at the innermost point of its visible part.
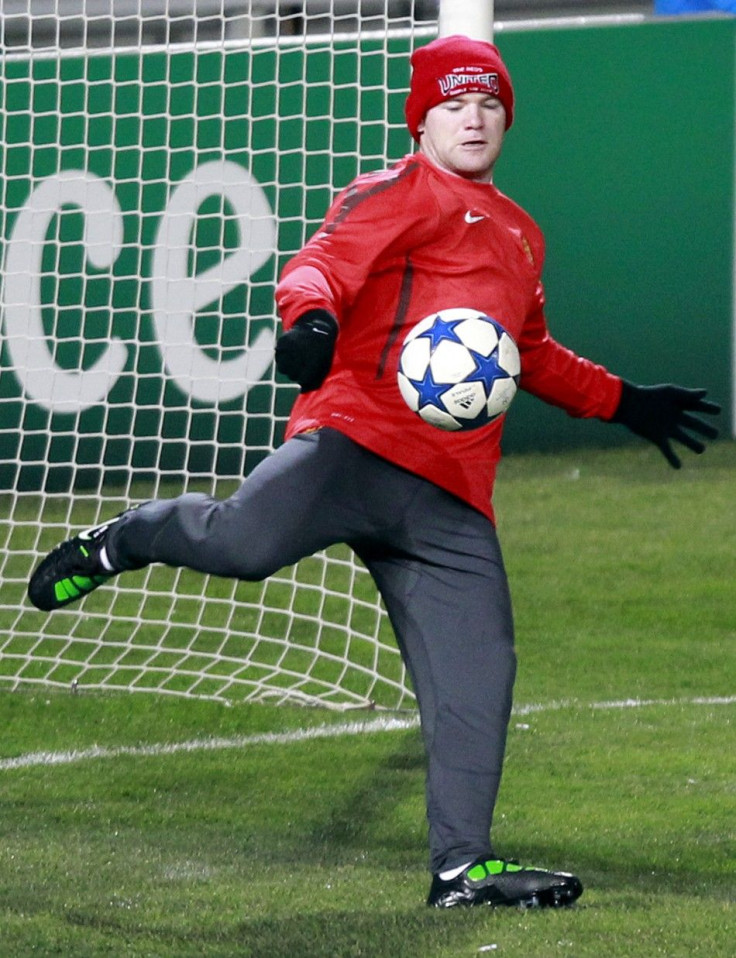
(473, 20)
(152, 189)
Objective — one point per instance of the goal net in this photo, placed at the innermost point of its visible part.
(161, 161)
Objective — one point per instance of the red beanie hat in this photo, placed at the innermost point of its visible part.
(450, 66)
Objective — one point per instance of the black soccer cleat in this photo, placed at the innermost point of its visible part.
(70, 571)
(497, 882)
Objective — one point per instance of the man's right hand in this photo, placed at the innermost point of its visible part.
(304, 353)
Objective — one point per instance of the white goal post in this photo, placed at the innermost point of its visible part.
(468, 19)
(160, 163)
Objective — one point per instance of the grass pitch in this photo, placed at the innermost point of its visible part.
(621, 766)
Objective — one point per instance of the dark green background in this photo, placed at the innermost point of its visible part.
(622, 150)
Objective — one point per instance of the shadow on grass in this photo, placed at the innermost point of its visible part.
(634, 875)
(348, 935)
(326, 934)
(363, 816)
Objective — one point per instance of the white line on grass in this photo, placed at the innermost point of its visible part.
(208, 744)
(369, 726)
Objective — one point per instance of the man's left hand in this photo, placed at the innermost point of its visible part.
(665, 413)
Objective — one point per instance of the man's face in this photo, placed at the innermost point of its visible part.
(464, 135)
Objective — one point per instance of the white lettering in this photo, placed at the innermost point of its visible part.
(177, 296)
(42, 379)
(452, 82)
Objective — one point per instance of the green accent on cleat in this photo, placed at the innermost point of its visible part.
(494, 866)
(76, 586)
(65, 590)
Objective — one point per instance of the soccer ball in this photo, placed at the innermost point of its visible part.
(458, 369)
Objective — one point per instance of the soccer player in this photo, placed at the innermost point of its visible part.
(413, 502)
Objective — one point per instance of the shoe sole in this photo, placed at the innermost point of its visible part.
(561, 896)
(550, 898)
(58, 593)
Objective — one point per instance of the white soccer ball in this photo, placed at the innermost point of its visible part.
(459, 369)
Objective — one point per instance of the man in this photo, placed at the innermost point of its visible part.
(414, 502)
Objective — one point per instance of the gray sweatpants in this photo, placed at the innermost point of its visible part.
(438, 567)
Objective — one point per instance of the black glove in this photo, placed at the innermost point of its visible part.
(304, 354)
(662, 413)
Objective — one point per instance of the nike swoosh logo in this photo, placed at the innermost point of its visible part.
(472, 218)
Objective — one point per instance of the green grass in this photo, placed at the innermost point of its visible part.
(622, 573)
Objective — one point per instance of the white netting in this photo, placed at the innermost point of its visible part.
(160, 163)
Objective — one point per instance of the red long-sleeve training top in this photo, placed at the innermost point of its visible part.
(396, 246)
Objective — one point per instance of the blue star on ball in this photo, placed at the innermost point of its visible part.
(441, 329)
(487, 369)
